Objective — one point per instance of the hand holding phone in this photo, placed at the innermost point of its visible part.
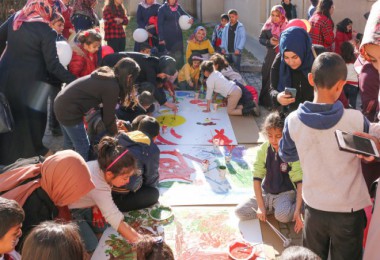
(356, 144)
(291, 91)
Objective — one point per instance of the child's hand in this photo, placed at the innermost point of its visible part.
(299, 222)
(261, 214)
(273, 41)
(285, 99)
(237, 52)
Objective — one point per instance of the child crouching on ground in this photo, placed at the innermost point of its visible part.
(274, 181)
(334, 190)
(217, 83)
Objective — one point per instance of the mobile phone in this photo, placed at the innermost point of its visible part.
(291, 91)
(356, 144)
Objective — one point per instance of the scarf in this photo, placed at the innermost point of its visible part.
(174, 7)
(276, 28)
(64, 176)
(145, 5)
(193, 35)
(372, 27)
(37, 11)
(297, 40)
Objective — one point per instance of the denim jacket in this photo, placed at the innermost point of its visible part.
(240, 37)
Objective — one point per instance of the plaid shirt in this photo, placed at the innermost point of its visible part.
(111, 28)
(322, 30)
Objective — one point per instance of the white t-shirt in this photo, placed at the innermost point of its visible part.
(216, 82)
(352, 76)
(100, 196)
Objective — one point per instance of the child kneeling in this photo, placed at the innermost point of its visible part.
(274, 181)
(217, 83)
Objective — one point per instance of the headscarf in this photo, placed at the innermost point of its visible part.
(65, 177)
(145, 5)
(174, 7)
(37, 11)
(297, 40)
(192, 36)
(276, 28)
(372, 27)
(84, 7)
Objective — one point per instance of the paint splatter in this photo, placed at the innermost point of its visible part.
(164, 141)
(174, 168)
(206, 124)
(195, 101)
(173, 132)
(223, 139)
(171, 120)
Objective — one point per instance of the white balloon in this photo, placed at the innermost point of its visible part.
(64, 52)
(184, 22)
(140, 35)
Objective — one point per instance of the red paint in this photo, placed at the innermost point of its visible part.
(202, 104)
(173, 132)
(221, 136)
(195, 101)
(164, 141)
(174, 169)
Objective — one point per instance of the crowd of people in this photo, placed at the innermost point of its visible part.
(97, 112)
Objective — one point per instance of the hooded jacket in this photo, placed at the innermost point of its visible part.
(309, 135)
(147, 155)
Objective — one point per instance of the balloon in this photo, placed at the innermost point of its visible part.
(184, 22)
(140, 35)
(64, 52)
(302, 23)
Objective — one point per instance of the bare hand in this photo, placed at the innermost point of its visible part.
(206, 110)
(162, 42)
(261, 214)
(285, 99)
(299, 222)
(121, 126)
(377, 143)
(237, 52)
(273, 41)
(172, 106)
(191, 21)
(191, 84)
(223, 51)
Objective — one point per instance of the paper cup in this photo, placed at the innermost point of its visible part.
(205, 165)
(215, 106)
(222, 171)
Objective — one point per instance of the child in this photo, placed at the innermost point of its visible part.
(233, 46)
(58, 24)
(52, 240)
(216, 38)
(274, 181)
(217, 83)
(145, 185)
(188, 76)
(343, 33)
(84, 58)
(11, 218)
(199, 44)
(334, 190)
(129, 113)
(221, 64)
(351, 88)
(115, 16)
(149, 248)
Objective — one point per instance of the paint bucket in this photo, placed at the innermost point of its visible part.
(222, 171)
(214, 107)
(239, 250)
(228, 157)
(205, 165)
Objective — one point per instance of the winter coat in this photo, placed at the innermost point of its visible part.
(82, 62)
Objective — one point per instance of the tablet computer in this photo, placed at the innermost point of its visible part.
(356, 144)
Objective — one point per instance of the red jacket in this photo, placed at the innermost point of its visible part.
(341, 37)
(82, 63)
(322, 30)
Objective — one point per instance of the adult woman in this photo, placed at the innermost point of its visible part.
(199, 44)
(105, 86)
(343, 33)
(29, 57)
(269, 36)
(290, 69)
(290, 9)
(147, 18)
(114, 167)
(84, 17)
(44, 190)
(322, 26)
(169, 31)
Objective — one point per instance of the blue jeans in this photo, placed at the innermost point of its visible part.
(235, 60)
(76, 137)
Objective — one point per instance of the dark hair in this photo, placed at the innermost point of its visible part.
(324, 7)
(328, 68)
(194, 56)
(52, 240)
(108, 151)
(232, 11)
(149, 126)
(146, 98)
(126, 71)
(298, 253)
(347, 51)
(144, 46)
(89, 36)
(224, 16)
(167, 65)
(274, 120)
(219, 61)
(342, 25)
(149, 248)
(11, 214)
(57, 17)
(135, 123)
(114, 8)
(207, 65)
(314, 2)
(359, 37)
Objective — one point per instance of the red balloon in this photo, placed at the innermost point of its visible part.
(302, 23)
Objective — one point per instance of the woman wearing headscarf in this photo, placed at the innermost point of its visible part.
(29, 54)
(199, 44)
(84, 16)
(169, 31)
(291, 67)
(269, 37)
(322, 26)
(147, 18)
(44, 190)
